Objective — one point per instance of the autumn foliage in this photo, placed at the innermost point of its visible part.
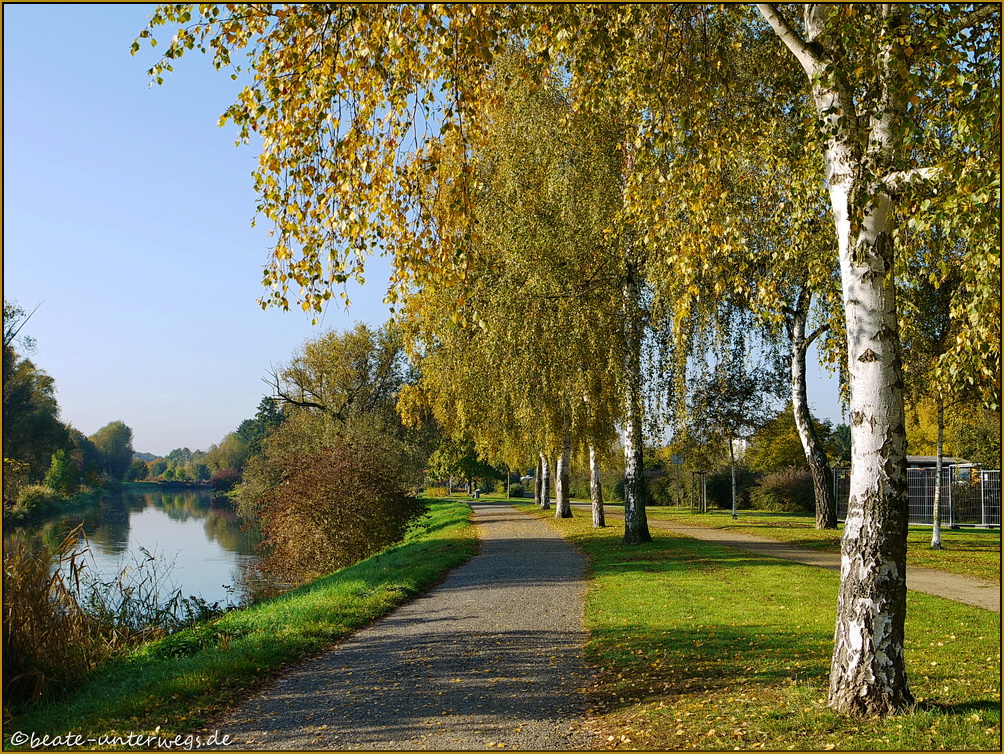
(334, 507)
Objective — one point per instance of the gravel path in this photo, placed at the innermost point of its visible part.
(490, 658)
(971, 591)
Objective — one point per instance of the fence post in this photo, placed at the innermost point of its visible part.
(983, 499)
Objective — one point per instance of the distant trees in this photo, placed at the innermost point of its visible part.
(37, 446)
(114, 444)
(32, 430)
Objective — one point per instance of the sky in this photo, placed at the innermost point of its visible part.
(127, 218)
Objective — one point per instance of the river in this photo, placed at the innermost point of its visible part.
(197, 540)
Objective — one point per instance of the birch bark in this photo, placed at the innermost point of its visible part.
(635, 520)
(596, 489)
(815, 456)
(868, 673)
(545, 483)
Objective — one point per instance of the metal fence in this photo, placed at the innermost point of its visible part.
(969, 496)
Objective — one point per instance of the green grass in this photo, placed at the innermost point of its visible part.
(703, 647)
(182, 681)
(968, 552)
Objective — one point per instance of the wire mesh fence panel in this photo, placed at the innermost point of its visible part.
(990, 496)
(969, 496)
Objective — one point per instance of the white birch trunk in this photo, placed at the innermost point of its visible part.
(563, 501)
(815, 456)
(596, 489)
(868, 672)
(538, 498)
(936, 506)
(732, 467)
(635, 520)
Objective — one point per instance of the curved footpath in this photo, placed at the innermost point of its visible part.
(977, 592)
(490, 658)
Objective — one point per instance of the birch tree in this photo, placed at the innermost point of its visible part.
(869, 67)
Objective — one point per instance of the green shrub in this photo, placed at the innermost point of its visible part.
(516, 490)
(788, 491)
(34, 496)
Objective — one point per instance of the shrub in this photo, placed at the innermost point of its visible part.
(224, 480)
(334, 507)
(34, 496)
(516, 490)
(720, 488)
(788, 491)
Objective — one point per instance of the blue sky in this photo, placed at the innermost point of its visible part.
(127, 213)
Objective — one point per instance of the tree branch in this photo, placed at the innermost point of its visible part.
(815, 334)
(802, 50)
(982, 12)
(900, 179)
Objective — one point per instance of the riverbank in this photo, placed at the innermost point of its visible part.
(180, 683)
(17, 517)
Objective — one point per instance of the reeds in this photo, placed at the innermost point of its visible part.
(60, 620)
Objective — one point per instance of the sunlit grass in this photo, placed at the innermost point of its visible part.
(180, 682)
(967, 551)
(704, 647)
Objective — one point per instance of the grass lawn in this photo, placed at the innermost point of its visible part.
(181, 682)
(967, 551)
(702, 647)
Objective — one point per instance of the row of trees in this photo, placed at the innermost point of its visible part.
(223, 463)
(39, 449)
(599, 214)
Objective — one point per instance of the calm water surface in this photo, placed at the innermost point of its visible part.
(200, 536)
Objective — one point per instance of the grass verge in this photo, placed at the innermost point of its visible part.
(967, 552)
(178, 684)
(703, 647)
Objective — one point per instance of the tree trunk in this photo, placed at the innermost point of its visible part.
(635, 521)
(936, 507)
(508, 484)
(595, 489)
(732, 467)
(868, 672)
(815, 456)
(563, 502)
(538, 497)
(545, 483)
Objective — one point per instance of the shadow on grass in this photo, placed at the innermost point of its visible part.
(687, 661)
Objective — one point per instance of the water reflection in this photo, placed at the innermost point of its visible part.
(202, 536)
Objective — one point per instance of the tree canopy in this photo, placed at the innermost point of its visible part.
(721, 140)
